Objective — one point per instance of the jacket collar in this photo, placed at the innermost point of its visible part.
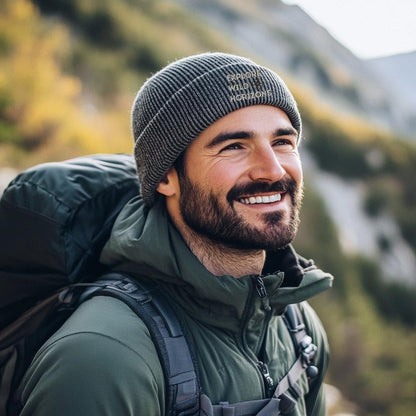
(145, 244)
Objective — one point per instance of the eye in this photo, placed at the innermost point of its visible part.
(285, 143)
(232, 146)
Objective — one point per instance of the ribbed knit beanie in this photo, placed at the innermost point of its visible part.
(180, 101)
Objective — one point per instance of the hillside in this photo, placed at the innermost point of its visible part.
(285, 37)
(69, 71)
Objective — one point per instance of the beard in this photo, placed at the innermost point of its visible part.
(203, 212)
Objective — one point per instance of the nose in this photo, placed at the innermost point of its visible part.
(265, 165)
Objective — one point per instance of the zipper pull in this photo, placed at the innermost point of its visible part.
(260, 288)
(268, 381)
(261, 291)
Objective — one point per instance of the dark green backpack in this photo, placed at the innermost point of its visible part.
(54, 221)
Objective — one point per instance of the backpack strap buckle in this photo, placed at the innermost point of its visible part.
(308, 349)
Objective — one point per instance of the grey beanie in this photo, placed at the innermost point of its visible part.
(177, 103)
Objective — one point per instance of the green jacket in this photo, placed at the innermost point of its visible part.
(103, 361)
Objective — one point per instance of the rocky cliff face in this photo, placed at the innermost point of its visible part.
(359, 233)
(398, 73)
(285, 37)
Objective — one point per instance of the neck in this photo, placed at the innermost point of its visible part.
(220, 259)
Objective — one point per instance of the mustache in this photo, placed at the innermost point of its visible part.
(284, 185)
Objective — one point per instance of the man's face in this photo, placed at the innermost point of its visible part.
(242, 180)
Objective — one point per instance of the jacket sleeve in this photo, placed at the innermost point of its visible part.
(89, 373)
(315, 399)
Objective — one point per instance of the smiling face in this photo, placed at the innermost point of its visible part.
(241, 181)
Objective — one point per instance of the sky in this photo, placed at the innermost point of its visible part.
(369, 28)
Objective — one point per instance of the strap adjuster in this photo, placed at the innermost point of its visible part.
(308, 349)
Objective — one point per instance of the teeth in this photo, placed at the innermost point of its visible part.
(261, 199)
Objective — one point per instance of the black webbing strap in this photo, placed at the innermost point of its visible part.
(248, 408)
(302, 341)
(173, 349)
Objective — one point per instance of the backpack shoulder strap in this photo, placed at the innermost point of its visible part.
(305, 349)
(302, 341)
(174, 351)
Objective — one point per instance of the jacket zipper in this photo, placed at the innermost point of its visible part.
(268, 381)
(264, 369)
(240, 339)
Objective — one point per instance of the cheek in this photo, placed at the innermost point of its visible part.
(216, 177)
(223, 177)
(293, 167)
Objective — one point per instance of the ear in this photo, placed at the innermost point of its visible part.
(169, 185)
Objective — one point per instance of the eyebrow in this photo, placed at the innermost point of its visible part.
(223, 137)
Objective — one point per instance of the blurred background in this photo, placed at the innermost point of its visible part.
(69, 71)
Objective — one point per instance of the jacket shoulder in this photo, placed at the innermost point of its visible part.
(100, 358)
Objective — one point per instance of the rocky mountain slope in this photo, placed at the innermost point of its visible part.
(400, 72)
(284, 36)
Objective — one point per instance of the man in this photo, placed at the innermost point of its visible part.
(216, 144)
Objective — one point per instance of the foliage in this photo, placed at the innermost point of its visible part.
(396, 302)
(40, 115)
(129, 39)
(66, 89)
(28, 70)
